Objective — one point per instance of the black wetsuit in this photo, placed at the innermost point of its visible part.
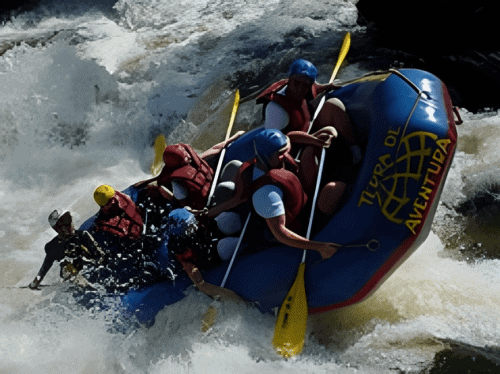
(57, 249)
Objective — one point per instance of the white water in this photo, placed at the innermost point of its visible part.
(151, 58)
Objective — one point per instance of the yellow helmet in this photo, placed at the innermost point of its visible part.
(103, 193)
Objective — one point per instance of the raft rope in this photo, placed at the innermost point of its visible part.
(372, 245)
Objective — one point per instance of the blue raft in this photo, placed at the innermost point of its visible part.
(406, 122)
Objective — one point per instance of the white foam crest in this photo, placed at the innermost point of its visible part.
(430, 297)
(54, 344)
(190, 16)
(429, 283)
(239, 341)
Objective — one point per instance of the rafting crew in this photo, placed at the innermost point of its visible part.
(272, 182)
(277, 186)
(73, 249)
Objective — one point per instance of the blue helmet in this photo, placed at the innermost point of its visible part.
(181, 222)
(303, 67)
(269, 141)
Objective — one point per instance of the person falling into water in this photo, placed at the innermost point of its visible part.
(72, 248)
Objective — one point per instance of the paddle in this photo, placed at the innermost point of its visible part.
(159, 147)
(209, 317)
(23, 287)
(290, 330)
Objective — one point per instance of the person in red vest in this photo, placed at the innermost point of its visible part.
(118, 215)
(270, 181)
(288, 106)
(186, 176)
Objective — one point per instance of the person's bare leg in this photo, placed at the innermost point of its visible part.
(330, 196)
(334, 114)
(308, 170)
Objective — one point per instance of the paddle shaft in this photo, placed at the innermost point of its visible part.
(223, 152)
(236, 250)
(343, 52)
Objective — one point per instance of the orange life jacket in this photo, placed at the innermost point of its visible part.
(299, 114)
(184, 165)
(120, 217)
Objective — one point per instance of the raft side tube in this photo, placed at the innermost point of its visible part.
(410, 149)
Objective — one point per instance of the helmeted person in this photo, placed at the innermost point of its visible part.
(288, 106)
(118, 215)
(186, 176)
(72, 248)
(270, 181)
(189, 242)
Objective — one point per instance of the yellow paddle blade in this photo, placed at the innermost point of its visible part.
(236, 103)
(290, 330)
(159, 147)
(209, 318)
(343, 52)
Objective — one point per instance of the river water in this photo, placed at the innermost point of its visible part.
(84, 90)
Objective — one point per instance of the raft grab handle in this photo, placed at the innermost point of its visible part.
(458, 120)
(372, 245)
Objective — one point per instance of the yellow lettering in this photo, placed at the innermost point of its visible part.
(364, 198)
(443, 144)
(378, 170)
(391, 138)
(438, 168)
(412, 223)
(425, 192)
(417, 214)
(420, 206)
(438, 156)
(386, 161)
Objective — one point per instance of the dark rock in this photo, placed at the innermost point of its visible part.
(450, 39)
(8, 6)
(462, 358)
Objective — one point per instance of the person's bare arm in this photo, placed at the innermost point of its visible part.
(321, 138)
(288, 237)
(218, 147)
(207, 288)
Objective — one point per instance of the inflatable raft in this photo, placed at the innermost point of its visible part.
(407, 125)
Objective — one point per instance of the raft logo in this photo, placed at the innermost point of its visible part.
(404, 179)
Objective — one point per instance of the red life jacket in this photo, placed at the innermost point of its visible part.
(120, 217)
(299, 114)
(294, 197)
(184, 165)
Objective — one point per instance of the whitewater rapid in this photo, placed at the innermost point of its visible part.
(80, 105)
